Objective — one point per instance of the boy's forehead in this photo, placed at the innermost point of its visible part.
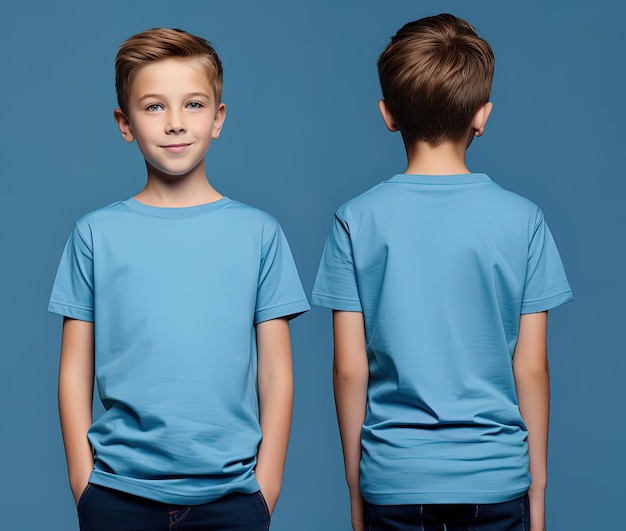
(171, 73)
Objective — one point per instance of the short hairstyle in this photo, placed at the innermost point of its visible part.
(163, 43)
(435, 74)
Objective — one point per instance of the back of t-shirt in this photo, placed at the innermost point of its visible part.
(441, 267)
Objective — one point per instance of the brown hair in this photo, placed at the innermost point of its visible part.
(435, 74)
(163, 43)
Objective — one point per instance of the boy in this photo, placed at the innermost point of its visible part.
(440, 282)
(178, 299)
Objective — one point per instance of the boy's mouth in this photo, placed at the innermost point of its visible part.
(176, 148)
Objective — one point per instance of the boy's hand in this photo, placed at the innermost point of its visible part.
(537, 501)
(357, 508)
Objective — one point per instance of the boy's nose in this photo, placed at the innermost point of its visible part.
(175, 122)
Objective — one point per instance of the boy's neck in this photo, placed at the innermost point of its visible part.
(177, 193)
(447, 158)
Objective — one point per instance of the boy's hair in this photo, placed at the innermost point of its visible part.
(163, 43)
(435, 74)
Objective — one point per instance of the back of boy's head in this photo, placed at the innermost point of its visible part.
(435, 74)
(163, 43)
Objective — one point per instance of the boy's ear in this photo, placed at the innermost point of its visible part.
(124, 125)
(480, 119)
(387, 117)
(218, 121)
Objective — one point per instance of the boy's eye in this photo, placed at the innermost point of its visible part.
(194, 105)
(154, 107)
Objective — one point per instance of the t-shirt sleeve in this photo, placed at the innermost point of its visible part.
(72, 293)
(280, 292)
(546, 284)
(336, 282)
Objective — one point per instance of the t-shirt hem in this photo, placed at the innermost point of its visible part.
(534, 306)
(413, 498)
(158, 490)
(75, 312)
(289, 310)
(327, 301)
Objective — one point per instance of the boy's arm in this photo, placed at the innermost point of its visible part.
(275, 381)
(75, 400)
(532, 380)
(350, 377)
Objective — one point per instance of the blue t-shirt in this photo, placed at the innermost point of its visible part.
(174, 294)
(441, 267)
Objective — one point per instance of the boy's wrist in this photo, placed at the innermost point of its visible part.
(270, 495)
(357, 509)
(270, 488)
(77, 487)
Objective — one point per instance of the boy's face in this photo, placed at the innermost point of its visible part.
(173, 116)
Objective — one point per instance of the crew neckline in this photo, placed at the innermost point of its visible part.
(461, 178)
(176, 212)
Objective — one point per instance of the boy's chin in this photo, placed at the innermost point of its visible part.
(172, 175)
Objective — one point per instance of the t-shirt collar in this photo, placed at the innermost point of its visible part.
(176, 212)
(462, 178)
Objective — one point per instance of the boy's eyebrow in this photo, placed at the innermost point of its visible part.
(162, 96)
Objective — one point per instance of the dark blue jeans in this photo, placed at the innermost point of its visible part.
(103, 509)
(513, 515)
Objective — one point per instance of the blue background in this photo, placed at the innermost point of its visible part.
(302, 136)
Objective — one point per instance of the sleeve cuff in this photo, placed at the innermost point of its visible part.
(542, 305)
(74, 312)
(326, 301)
(290, 310)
